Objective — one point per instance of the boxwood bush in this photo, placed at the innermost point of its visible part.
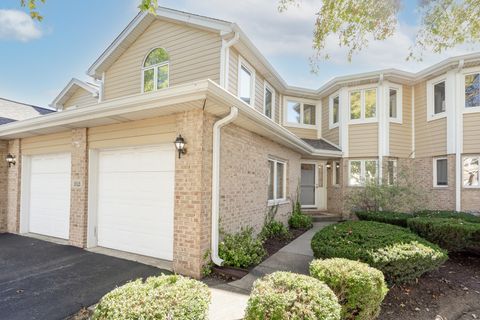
(241, 249)
(454, 235)
(162, 297)
(360, 289)
(285, 295)
(401, 255)
(300, 221)
(449, 214)
(396, 218)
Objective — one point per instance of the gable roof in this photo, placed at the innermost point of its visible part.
(72, 86)
(11, 111)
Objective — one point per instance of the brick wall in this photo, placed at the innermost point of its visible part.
(13, 192)
(79, 189)
(244, 178)
(3, 185)
(471, 200)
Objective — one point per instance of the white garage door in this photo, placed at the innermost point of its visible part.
(135, 200)
(49, 195)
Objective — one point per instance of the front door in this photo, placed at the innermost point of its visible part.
(313, 185)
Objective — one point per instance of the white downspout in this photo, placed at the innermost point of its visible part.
(217, 127)
(225, 59)
(458, 140)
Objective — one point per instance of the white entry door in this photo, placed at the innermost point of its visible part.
(46, 196)
(135, 200)
(313, 185)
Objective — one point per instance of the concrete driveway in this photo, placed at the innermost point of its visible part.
(43, 280)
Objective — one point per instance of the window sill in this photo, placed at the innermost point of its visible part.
(278, 202)
(434, 117)
(299, 125)
(362, 121)
(395, 120)
(333, 126)
(440, 187)
(471, 187)
(471, 109)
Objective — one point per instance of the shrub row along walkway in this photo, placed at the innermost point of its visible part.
(230, 300)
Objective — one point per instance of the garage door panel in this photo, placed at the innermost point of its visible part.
(136, 199)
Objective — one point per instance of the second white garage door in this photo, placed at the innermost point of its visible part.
(136, 200)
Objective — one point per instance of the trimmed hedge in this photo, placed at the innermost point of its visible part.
(454, 235)
(162, 297)
(401, 255)
(449, 214)
(285, 296)
(395, 218)
(241, 249)
(360, 289)
(300, 221)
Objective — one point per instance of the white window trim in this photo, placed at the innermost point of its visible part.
(362, 118)
(399, 118)
(332, 125)
(246, 65)
(435, 173)
(276, 200)
(430, 99)
(334, 174)
(155, 71)
(463, 183)
(302, 102)
(461, 94)
(268, 86)
(362, 172)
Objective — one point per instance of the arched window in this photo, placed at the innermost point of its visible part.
(155, 70)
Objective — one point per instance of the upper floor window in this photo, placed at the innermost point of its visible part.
(246, 82)
(268, 100)
(472, 90)
(363, 104)
(300, 113)
(395, 104)
(439, 97)
(334, 111)
(155, 70)
(436, 98)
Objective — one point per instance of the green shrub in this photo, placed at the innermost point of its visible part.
(396, 218)
(300, 221)
(274, 229)
(285, 295)
(448, 214)
(401, 255)
(241, 249)
(454, 235)
(360, 289)
(162, 297)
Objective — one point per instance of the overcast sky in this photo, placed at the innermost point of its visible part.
(38, 59)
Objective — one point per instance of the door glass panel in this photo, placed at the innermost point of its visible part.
(320, 175)
(307, 184)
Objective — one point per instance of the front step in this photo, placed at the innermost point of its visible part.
(323, 216)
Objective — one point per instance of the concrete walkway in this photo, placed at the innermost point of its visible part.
(230, 300)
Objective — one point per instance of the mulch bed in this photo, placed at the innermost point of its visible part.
(450, 293)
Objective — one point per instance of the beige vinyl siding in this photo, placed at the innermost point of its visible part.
(430, 137)
(304, 133)
(133, 133)
(331, 135)
(80, 98)
(471, 133)
(363, 140)
(233, 72)
(401, 134)
(194, 55)
(49, 143)
(278, 108)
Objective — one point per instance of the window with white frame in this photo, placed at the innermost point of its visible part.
(268, 100)
(471, 172)
(391, 172)
(472, 90)
(277, 183)
(436, 98)
(300, 113)
(440, 172)
(155, 70)
(334, 112)
(363, 104)
(395, 104)
(336, 173)
(246, 82)
(361, 172)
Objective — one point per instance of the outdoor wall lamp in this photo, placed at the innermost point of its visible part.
(180, 145)
(10, 159)
(329, 165)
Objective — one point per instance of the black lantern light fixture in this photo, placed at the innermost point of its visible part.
(10, 160)
(180, 145)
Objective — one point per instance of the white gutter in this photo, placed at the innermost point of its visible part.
(225, 59)
(216, 181)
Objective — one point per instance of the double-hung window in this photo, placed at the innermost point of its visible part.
(436, 98)
(277, 180)
(471, 171)
(246, 82)
(300, 113)
(334, 111)
(363, 104)
(268, 100)
(440, 172)
(394, 99)
(362, 171)
(472, 91)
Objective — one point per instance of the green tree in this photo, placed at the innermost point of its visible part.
(444, 24)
